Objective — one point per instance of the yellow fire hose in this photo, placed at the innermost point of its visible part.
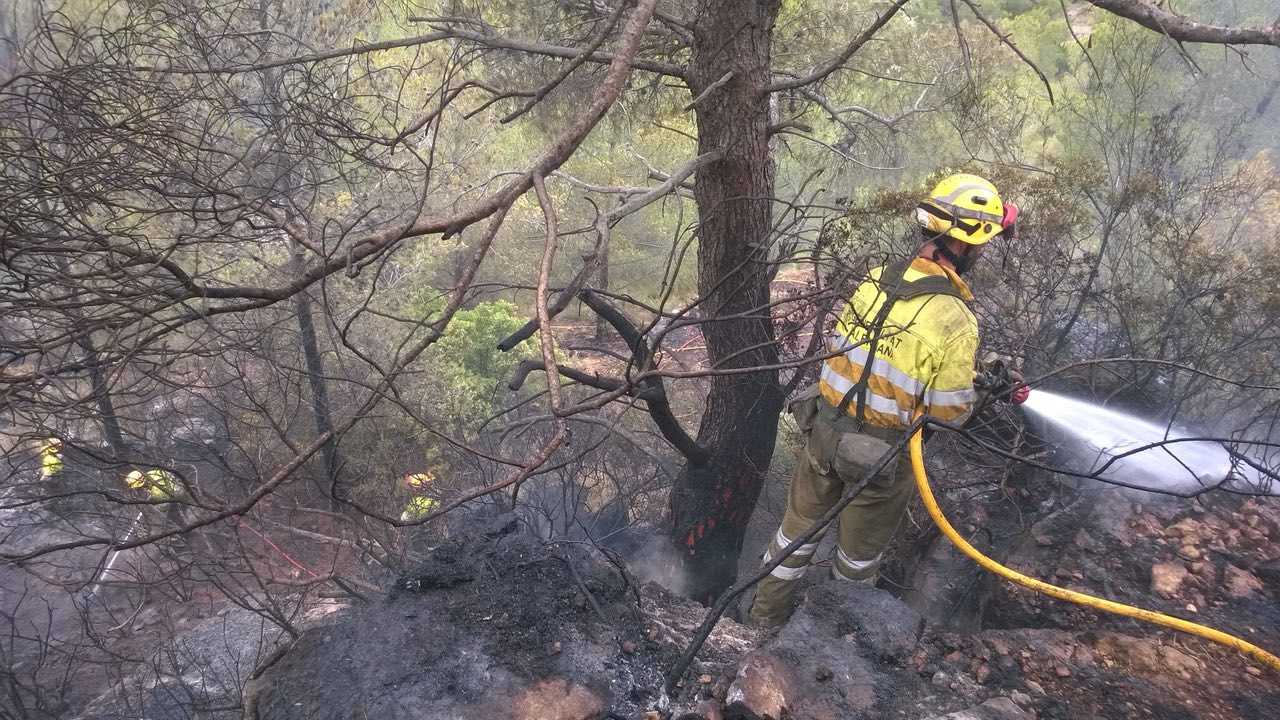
(926, 494)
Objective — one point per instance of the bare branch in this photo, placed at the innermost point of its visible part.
(1184, 29)
(603, 223)
(724, 79)
(837, 62)
(1008, 42)
(568, 53)
(595, 44)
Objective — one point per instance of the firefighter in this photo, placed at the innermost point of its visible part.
(420, 503)
(164, 488)
(50, 458)
(905, 343)
(161, 485)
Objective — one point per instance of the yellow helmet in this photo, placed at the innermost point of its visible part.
(967, 208)
(53, 444)
(135, 480)
(417, 480)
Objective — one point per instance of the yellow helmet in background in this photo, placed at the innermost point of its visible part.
(418, 480)
(135, 480)
(965, 207)
(52, 445)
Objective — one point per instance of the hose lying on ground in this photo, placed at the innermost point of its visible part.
(926, 494)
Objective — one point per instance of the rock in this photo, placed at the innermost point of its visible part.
(1001, 708)
(1087, 542)
(1167, 578)
(1268, 572)
(1021, 698)
(556, 699)
(1147, 657)
(1189, 529)
(1189, 552)
(1146, 525)
(763, 688)
(884, 627)
(828, 660)
(1240, 584)
(1140, 654)
(1164, 508)
(705, 710)
(1178, 661)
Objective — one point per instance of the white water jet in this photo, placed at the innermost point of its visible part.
(1098, 438)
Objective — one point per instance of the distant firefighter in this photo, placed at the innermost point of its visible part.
(161, 485)
(50, 458)
(421, 504)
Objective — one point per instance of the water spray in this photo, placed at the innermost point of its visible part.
(1126, 450)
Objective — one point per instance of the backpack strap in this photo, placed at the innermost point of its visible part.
(899, 288)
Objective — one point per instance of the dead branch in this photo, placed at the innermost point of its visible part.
(1183, 29)
(838, 61)
(1007, 40)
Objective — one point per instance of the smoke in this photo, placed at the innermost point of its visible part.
(656, 561)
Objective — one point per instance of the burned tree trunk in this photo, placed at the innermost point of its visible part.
(713, 500)
(317, 382)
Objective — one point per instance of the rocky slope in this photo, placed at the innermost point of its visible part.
(501, 625)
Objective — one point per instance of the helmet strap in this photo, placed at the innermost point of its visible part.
(963, 263)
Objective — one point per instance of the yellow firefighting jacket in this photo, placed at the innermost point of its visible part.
(50, 461)
(924, 356)
(419, 507)
(161, 485)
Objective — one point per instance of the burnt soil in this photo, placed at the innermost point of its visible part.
(491, 625)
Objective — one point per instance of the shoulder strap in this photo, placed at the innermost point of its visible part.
(891, 280)
(929, 285)
(901, 289)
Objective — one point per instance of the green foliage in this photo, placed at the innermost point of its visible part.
(465, 367)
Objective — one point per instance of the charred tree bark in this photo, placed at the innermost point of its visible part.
(319, 389)
(102, 398)
(713, 500)
(285, 182)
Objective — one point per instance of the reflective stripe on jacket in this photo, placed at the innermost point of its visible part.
(924, 357)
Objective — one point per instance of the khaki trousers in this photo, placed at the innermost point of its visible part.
(865, 527)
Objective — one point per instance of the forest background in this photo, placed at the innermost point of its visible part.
(273, 247)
